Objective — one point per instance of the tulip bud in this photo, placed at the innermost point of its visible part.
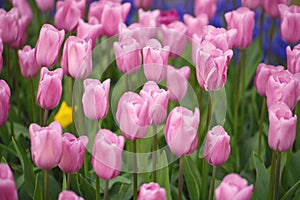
(252, 4)
(89, 31)
(69, 195)
(9, 25)
(149, 18)
(145, 4)
(4, 101)
(28, 65)
(107, 146)
(271, 7)
(195, 24)
(217, 147)
(45, 5)
(167, 17)
(153, 191)
(207, 7)
(181, 131)
(46, 145)
(7, 183)
(293, 59)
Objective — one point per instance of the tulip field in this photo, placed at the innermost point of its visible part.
(149, 99)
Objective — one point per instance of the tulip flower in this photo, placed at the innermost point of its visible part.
(90, 30)
(153, 191)
(46, 145)
(217, 147)
(9, 25)
(271, 7)
(133, 115)
(45, 5)
(24, 9)
(181, 131)
(4, 101)
(95, 98)
(64, 115)
(1, 52)
(282, 129)
(242, 20)
(48, 45)
(194, 24)
(293, 59)
(167, 17)
(107, 154)
(7, 183)
(50, 88)
(290, 23)
(28, 65)
(234, 187)
(145, 4)
(21, 38)
(207, 7)
(73, 152)
(68, 195)
(76, 60)
(148, 18)
(252, 4)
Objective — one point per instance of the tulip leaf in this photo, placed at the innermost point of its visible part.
(37, 194)
(219, 104)
(262, 179)
(291, 192)
(192, 178)
(163, 174)
(87, 190)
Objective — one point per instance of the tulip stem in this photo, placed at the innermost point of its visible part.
(154, 148)
(106, 190)
(262, 116)
(135, 177)
(243, 66)
(68, 181)
(180, 179)
(97, 188)
(212, 186)
(271, 39)
(9, 81)
(46, 182)
(45, 117)
(276, 196)
(33, 100)
(272, 176)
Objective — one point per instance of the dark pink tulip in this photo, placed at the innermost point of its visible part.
(158, 102)
(181, 131)
(69, 195)
(48, 45)
(290, 23)
(4, 101)
(282, 129)
(152, 191)
(28, 65)
(1, 52)
(50, 88)
(107, 154)
(207, 7)
(234, 187)
(217, 146)
(252, 4)
(95, 98)
(73, 152)
(293, 59)
(9, 25)
(45, 5)
(195, 24)
(132, 116)
(155, 60)
(263, 72)
(46, 145)
(89, 30)
(149, 18)
(145, 4)
(7, 183)
(167, 17)
(76, 60)
(271, 7)
(177, 82)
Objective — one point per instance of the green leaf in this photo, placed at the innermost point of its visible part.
(192, 178)
(289, 194)
(163, 174)
(37, 195)
(87, 190)
(261, 188)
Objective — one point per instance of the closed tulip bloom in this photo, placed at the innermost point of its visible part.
(181, 131)
(25, 12)
(152, 191)
(76, 60)
(107, 154)
(155, 60)
(50, 88)
(128, 55)
(9, 25)
(290, 23)
(242, 20)
(167, 17)
(177, 82)
(282, 129)
(69, 195)
(158, 102)
(207, 7)
(4, 101)
(195, 24)
(7, 183)
(271, 7)
(263, 73)
(89, 31)
(284, 87)
(21, 38)
(1, 52)
(252, 4)
(211, 66)
(145, 4)
(149, 18)
(45, 5)
(133, 115)
(73, 152)
(234, 187)
(46, 145)
(28, 65)
(81, 4)
(48, 45)
(293, 59)
(217, 147)
(95, 98)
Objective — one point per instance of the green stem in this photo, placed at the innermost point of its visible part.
(33, 100)
(8, 67)
(135, 177)
(97, 188)
(272, 175)
(208, 117)
(154, 149)
(86, 166)
(41, 115)
(272, 31)
(243, 52)
(276, 197)
(46, 183)
(262, 116)
(180, 178)
(286, 169)
(106, 190)
(68, 181)
(45, 117)
(212, 186)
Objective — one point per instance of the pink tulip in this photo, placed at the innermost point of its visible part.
(46, 145)
(132, 115)
(158, 102)
(95, 98)
(24, 9)
(21, 38)
(107, 154)
(48, 45)
(211, 66)
(263, 73)
(282, 129)
(177, 82)
(73, 152)
(181, 131)
(167, 17)
(4, 101)
(271, 7)
(27, 61)
(207, 7)
(293, 59)
(152, 191)
(50, 88)
(69, 195)
(81, 4)
(290, 23)
(234, 187)
(1, 52)
(76, 60)
(155, 60)
(149, 18)
(217, 147)
(89, 30)
(145, 4)
(45, 5)
(284, 87)
(195, 24)
(128, 55)
(7, 183)
(9, 25)
(252, 4)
